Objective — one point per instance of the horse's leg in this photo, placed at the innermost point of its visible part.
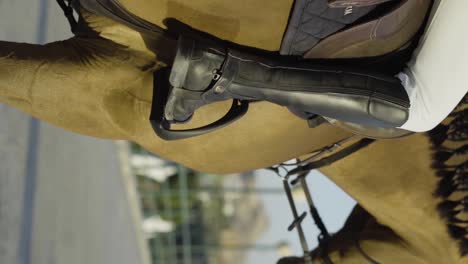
(67, 83)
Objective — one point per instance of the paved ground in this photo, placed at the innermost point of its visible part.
(63, 198)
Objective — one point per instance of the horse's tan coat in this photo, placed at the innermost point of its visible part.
(98, 88)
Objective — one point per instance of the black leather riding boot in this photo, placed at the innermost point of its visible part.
(204, 73)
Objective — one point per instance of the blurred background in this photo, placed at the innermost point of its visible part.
(66, 198)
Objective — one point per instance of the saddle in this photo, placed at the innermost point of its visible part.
(317, 29)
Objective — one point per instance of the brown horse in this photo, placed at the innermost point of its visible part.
(101, 86)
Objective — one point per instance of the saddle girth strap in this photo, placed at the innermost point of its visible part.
(334, 157)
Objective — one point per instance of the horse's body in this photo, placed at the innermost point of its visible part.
(102, 87)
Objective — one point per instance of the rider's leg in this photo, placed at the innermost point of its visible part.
(203, 73)
(435, 81)
(437, 77)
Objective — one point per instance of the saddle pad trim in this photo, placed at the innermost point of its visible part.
(313, 20)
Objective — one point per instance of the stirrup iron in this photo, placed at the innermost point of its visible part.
(162, 126)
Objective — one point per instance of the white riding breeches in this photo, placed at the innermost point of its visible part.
(436, 79)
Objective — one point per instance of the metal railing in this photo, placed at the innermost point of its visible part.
(195, 204)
